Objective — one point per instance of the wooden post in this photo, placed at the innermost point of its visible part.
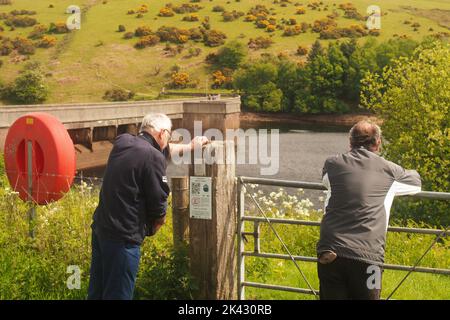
(212, 247)
(180, 210)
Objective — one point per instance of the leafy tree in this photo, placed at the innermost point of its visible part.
(257, 85)
(326, 74)
(316, 49)
(29, 87)
(392, 49)
(231, 55)
(413, 99)
(286, 82)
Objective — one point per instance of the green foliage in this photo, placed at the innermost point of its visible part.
(28, 88)
(118, 94)
(36, 268)
(20, 21)
(230, 55)
(164, 273)
(413, 98)
(260, 43)
(328, 81)
(213, 38)
(257, 84)
(401, 248)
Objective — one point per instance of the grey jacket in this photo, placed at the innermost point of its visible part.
(361, 187)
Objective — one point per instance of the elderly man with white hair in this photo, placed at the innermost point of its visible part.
(132, 205)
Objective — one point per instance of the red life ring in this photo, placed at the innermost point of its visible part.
(53, 157)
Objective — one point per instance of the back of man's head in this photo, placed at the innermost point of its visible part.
(365, 134)
(156, 121)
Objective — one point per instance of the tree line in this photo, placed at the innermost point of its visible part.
(326, 80)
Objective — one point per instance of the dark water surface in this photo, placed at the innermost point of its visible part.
(302, 149)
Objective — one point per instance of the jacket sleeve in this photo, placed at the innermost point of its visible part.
(405, 181)
(156, 189)
(326, 183)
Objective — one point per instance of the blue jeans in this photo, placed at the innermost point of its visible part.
(114, 267)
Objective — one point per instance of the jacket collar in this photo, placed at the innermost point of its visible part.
(149, 138)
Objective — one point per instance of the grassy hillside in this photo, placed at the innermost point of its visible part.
(85, 63)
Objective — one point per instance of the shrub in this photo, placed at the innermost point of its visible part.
(262, 24)
(47, 42)
(19, 21)
(194, 52)
(292, 22)
(250, 18)
(218, 9)
(23, 12)
(173, 34)
(302, 51)
(195, 34)
(374, 33)
(354, 31)
(258, 10)
(320, 25)
(147, 41)
(128, 35)
(118, 94)
(180, 79)
(231, 16)
(191, 18)
(222, 79)
(186, 8)
(214, 38)
(300, 10)
(271, 28)
(38, 32)
(260, 43)
(166, 12)
(23, 45)
(6, 47)
(58, 28)
(143, 8)
(143, 31)
(29, 87)
(121, 28)
(295, 30)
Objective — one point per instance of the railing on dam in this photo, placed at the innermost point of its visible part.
(92, 126)
(242, 218)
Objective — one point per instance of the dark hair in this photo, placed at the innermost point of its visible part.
(364, 134)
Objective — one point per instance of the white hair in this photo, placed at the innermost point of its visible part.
(156, 121)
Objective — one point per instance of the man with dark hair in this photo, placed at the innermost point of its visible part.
(361, 187)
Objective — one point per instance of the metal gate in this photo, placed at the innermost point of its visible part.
(242, 218)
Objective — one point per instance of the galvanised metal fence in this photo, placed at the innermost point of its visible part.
(242, 283)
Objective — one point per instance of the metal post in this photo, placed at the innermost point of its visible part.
(32, 209)
(241, 244)
(257, 242)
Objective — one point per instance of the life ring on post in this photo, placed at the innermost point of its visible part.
(42, 140)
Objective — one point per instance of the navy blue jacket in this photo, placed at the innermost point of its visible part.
(134, 190)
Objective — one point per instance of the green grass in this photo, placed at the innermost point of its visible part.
(400, 249)
(96, 57)
(36, 268)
